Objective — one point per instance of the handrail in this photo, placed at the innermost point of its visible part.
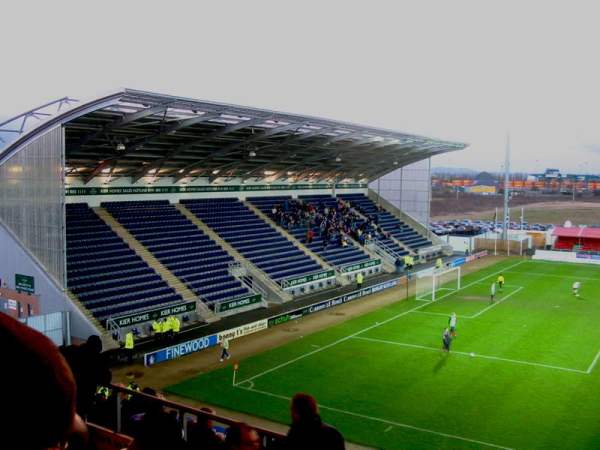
(285, 282)
(270, 439)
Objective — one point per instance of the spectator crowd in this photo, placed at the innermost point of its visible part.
(53, 392)
(335, 224)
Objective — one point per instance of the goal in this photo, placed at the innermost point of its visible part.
(432, 284)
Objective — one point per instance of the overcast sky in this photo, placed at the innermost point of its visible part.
(461, 70)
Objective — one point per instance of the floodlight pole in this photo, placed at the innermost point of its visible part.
(521, 236)
(506, 181)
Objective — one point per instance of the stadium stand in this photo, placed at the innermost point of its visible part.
(577, 238)
(334, 253)
(400, 231)
(252, 237)
(181, 246)
(107, 276)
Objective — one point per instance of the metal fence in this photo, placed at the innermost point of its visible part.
(54, 325)
(185, 415)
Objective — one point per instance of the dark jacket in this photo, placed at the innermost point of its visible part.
(313, 434)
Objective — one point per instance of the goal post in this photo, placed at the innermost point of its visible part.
(432, 283)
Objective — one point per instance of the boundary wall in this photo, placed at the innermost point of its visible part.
(204, 342)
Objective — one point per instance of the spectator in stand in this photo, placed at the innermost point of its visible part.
(242, 437)
(309, 235)
(155, 428)
(307, 430)
(90, 369)
(39, 392)
(399, 263)
(202, 436)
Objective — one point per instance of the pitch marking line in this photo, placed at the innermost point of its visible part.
(378, 324)
(519, 288)
(565, 277)
(384, 421)
(495, 358)
(506, 297)
(593, 364)
(440, 314)
(505, 285)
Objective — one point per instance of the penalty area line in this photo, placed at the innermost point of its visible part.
(593, 364)
(384, 421)
(506, 297)
(494, 358)
(378, 324)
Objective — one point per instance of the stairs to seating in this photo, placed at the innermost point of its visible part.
(254, 239)
(104, 274)
(399, 231)
(271, 288)
(165, 273)
(294, 238)
(108, 343)
(335, 254)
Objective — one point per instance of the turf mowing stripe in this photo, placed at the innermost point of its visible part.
(325, 347)
(497, 358)
(593, 364)
(496, 303)
(385, 421)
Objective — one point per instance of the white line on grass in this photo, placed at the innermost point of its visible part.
(385, 421)
(505, 285)
(476, 314)
(496, 358)
(440, 314)
(378, 324)
(593, 364)
(566, 277)
(506, 297)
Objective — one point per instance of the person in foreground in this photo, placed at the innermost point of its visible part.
(307, 430)
(39, 391)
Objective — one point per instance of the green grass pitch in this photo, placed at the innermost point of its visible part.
(383, 381)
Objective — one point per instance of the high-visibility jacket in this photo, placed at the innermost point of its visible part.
(129, 341)
(165, 326)
(134, 387)
(156, 327)
(406, 260)
(359, 278)
(103, 392)
(438, 263)
(176, 325)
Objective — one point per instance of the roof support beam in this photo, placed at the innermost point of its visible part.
(317, 155)
(290, 140)
(174, 152)
(172, 128)
(124, 120)
(231, 148)
(111, 162)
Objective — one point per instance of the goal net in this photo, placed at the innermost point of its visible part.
(432, 284)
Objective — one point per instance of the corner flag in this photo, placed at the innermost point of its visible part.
(236, 366)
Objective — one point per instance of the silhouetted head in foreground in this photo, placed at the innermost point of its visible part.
(40, 389)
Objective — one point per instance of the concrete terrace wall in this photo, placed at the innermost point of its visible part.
(15, 259)
(237, 189)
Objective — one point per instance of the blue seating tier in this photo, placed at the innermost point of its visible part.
(333, 251)
(107, 276)
(252, 237)
(395, 227)
(181, 247)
